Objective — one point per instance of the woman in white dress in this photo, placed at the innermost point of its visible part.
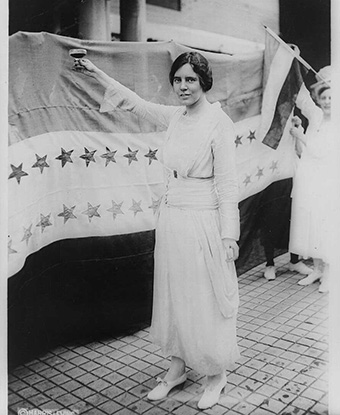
(312, 189)
(195, 283)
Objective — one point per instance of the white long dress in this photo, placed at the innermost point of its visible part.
(313, 186)
(195, 297)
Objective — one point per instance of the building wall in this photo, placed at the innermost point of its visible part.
(312, 33)
(243, 19)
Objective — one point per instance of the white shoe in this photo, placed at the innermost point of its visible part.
(324, 287)
(164, 387)
(301, 268)
(269, 273)
(211, 394)
(314, 276)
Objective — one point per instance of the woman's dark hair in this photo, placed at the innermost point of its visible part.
(199, 65)
(322, 89)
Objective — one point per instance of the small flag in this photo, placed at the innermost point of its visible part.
(283, 76)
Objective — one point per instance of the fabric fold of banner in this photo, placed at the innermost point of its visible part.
(75, 172)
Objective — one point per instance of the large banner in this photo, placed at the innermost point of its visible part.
(74, 172)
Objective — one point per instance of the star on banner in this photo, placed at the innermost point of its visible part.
(116, 209)
(91, 211)
(27, 234)
(251, 136)
(238, 140)
(88, 156)
(67, 213)
(273, 166)
(17, 172)
(247, 180)
(44, 222)
(41, 163)
(10, 249)
(65, 157)
(151, 155)
(136, 207)
(131, 156)
(109, 156)
(155, 204)
(259, 173)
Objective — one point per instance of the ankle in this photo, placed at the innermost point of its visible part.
(215, 379)
(318, 265)
(175, 371)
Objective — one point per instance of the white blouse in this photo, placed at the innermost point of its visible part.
(195, 147)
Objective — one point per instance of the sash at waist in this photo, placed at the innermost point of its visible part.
(192, 193)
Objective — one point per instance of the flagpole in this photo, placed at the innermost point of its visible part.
(293, 52)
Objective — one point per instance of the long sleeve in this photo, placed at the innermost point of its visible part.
(226, 182)
(306, 104)
(118, 96)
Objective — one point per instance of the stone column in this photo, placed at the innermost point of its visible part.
(94, 20)
(132, 20)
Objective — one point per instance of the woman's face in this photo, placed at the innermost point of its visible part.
(187, 86)
(325, 100)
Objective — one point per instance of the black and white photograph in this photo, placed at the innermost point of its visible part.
(170, 207)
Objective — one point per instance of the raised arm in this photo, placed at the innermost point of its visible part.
(305, 102)
(118, 96)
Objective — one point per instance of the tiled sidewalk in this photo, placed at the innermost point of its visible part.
(283, 336)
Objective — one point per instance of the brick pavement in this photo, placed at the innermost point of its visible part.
(283, 337)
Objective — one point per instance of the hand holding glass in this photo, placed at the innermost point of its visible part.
(77, 54)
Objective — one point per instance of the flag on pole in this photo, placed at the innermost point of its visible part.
(283, 76)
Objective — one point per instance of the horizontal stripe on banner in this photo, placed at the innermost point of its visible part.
(79, 288)
(97, 159)
(73, 184)
(73, 161)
